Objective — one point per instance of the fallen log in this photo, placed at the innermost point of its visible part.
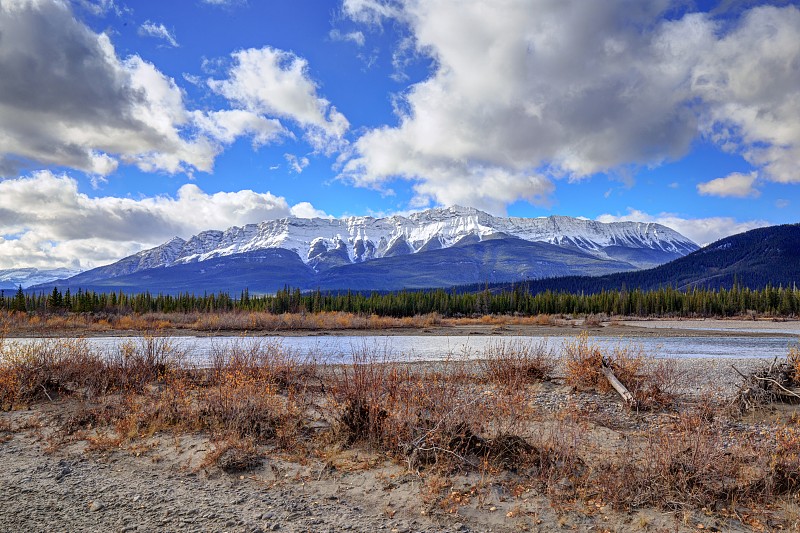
(623, 391)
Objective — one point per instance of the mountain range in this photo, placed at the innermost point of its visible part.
(752, 259)
(434, 248)
(27, 277)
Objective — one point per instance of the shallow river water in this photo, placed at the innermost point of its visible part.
(338, 349)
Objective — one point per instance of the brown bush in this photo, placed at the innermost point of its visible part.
(583, 362)
(686, 465)
(513, 364)
(652, 383)
(45, 368)
(137, 363)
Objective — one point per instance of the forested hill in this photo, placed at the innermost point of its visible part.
(752, 259)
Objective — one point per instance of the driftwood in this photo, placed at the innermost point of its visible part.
(623, 391)
(776, 383)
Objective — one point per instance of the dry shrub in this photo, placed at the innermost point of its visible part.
(426, 416)
(268, 362)
(45, 368)
(793, 361)
(544, 320)
(241, 405)
(513, 364)
(593, 320)
(256, 390)
(234, 456)
(652, 383)
(362, 394)
(583, 363)
(137, 363)
(688, 465)
(442, 421)
(9, 387)
(785, 464)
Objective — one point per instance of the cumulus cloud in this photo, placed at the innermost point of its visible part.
(227, 125)
(568, 89)
(306, 210)
(275, 82)
(67, 99)
(703, 231)
(159, 31)
(751, 84)
(62, 227)
(736, 184)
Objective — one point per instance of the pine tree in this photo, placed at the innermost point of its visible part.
(18, 304)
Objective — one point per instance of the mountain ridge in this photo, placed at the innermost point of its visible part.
(754, 259)
(447, 246)
(25, 277)
(323, 243)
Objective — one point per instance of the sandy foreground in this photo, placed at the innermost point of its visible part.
(52, 482)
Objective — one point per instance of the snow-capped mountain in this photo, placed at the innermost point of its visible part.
(320, 242)
(26, 277)
(435, 248)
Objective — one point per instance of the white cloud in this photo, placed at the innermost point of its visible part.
(159, 31)
(356, 37)
(782, 203)
(228, 125)
(306, 210)
(750, 81)
(703, 231)
(569, 89)
(67, 99)
(736, 184)
(275, 82)
(224, 3)
(101, 8)
(297, 164)
(62, 227)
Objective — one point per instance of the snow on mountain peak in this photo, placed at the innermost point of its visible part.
(365, 238)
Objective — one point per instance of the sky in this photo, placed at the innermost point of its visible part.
(125, 123)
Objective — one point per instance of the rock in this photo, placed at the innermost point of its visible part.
(96, 506)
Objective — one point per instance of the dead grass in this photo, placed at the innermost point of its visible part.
(514, 364)
(234, 456)
(33, 324)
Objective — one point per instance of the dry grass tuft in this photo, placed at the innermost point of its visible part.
(514, 364)
(234, 456)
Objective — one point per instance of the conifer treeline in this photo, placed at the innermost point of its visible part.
(667, 302)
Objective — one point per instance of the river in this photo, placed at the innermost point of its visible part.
(337, 349)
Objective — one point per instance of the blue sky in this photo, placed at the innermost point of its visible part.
(125, 123)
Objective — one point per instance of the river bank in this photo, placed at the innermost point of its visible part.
(120, 463)
(349, 325)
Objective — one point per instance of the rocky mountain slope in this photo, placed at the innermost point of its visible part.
(437, 247)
